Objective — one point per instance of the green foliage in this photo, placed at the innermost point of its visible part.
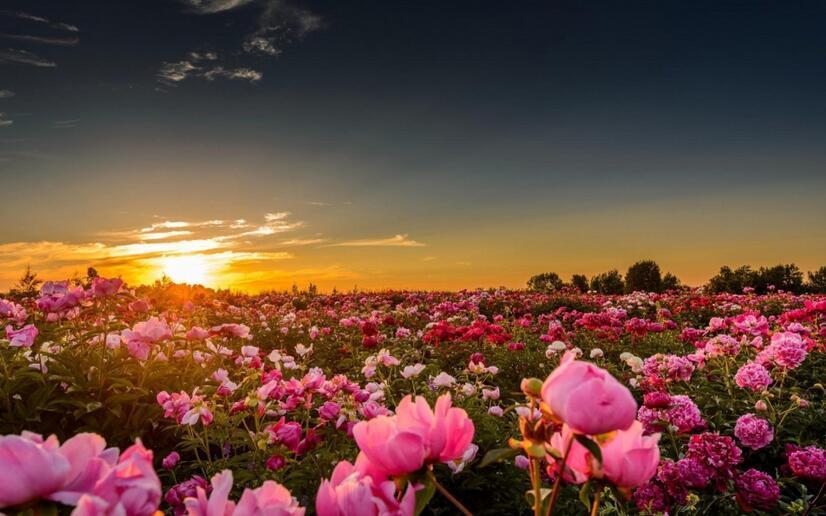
(643, 276)
(610, 282)
(817, 281)
(545, 282)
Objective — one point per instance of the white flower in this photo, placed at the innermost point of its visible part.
(456, 466)
(303, 350)
(468, 389)
(412, 370)
(558, 345)
(444, 380)
(596, 353)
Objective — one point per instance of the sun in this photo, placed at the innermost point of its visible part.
(193, 269)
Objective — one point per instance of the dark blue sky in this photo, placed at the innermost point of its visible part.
(551, 129)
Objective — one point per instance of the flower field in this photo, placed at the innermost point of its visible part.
(187, 401)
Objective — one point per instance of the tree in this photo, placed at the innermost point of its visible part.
(28, 285)
(786, 277)
(733, 281)
(580, 282)
(670, 282)
(817, 281)
(545, 282)
(608, 283)
(643, 276)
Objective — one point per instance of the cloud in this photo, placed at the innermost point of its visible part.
(5, 94)
(39, 19)
(246, 74)
(213, 6)
(5, 122)
(280, 24)
(46, 40)
(16, 56)
(302, 241)
(394, 241)
(65, 124)
(203, 65)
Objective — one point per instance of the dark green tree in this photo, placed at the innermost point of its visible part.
(733, 281)
(644, 276)
(670, 282)
(786, 277)
(608, 283)
(545, 282)
(817, 281)
(580, 282)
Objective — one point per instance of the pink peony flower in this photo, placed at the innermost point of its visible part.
(102, 287)
(630, 459)
(588, 398)
(270, 499)
(22, 338)
(390, 449)
(753, 432)
(753, 376)
(30, 468)
(218, 503)
(808, 462)
(757, 490)
(354, 491)
(446, 432)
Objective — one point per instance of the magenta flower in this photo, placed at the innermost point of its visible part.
(22, 338)
(808, 462)
(753, 432)
(753, 376)
(757, 490)
(588, 398)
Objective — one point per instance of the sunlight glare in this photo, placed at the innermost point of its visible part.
(193, 269)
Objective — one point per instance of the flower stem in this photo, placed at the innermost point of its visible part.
(558, 480)
(595, 506)
(446, 494)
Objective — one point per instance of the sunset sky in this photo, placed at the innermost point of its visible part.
(254, 144)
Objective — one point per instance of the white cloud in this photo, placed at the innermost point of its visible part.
(213, 6)
(39, 19)
(5, 122)
(46, 40)
(16, 56)
(202, 64)
(246, 74)
(4, 94)
(394, 241)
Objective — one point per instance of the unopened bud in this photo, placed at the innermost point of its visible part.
(531, 387)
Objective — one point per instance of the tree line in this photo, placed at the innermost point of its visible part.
(646, 276)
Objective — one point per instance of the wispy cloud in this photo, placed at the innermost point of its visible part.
(213, 6)
(39, 19)
(394, 241)
(279, 25)
(16, 56)
(5, 94)
(46, 40)
(302, 241)
(5, 122)
(203, 65)
(65, 124)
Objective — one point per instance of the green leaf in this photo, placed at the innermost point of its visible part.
(591, 446)
(498, 455)
(585, 494)
(423, 496)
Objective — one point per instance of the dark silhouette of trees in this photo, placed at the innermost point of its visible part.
(579, 282)
(545, 282)
(608, 282)
(643, 276)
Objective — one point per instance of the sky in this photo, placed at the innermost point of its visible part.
(255, 144)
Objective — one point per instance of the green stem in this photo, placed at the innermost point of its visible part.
(558, 480)
(446, 494)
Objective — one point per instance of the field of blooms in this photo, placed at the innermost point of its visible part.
(118, 401)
